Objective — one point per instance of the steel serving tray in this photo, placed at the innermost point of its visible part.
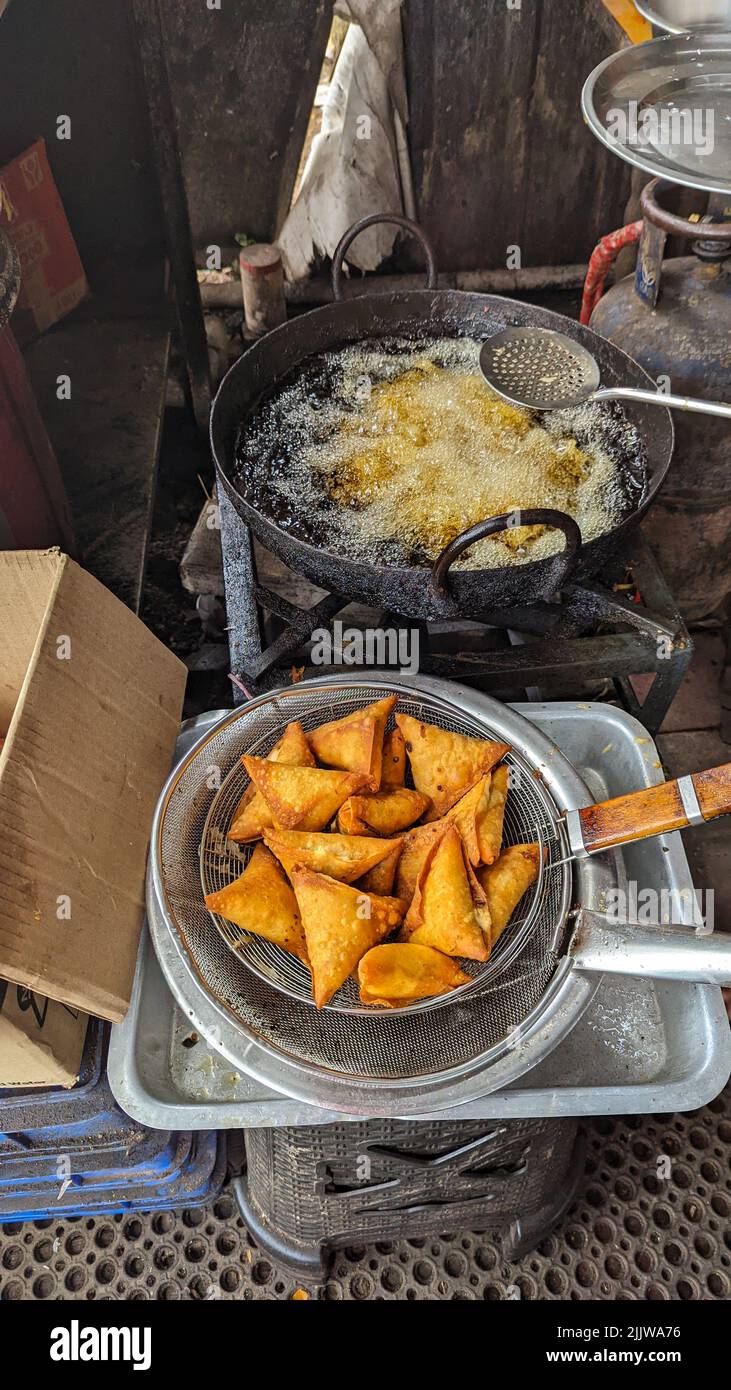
(683, 16)
(640, 1047)
(665, 106)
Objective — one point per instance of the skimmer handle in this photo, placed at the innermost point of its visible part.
(636, 393)
(673, 805)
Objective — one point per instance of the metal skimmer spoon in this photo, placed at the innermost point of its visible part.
(544, 370)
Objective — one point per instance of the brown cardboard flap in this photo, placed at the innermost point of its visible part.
(88, 749)
(41, 1042)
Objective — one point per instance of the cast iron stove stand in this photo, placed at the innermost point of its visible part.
(599, 630)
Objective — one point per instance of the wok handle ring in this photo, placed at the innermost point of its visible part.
(563, 564)
(370, 221)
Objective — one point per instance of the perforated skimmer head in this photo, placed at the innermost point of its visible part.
(249, 976)
(539, 368)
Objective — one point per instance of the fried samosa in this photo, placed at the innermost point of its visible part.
(252, 815)
(467, 813)
(445, 765)
(394, 761)
(505, 882)
(380, 878)
(399, 972)
(479, 814)
(340, 924)
(345, 857)
(381, 813)
(415, 849)
(449, 910)
(490, 821)
(261, 901)
(355, 743)
(301, 798)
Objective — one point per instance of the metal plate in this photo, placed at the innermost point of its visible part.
(665, 106)
(530, 816)
(683, 16)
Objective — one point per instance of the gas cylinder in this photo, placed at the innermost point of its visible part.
(674, 318)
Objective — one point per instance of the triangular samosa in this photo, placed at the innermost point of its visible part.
(467, 813)
(301, 798)
(394, 761)
(380, 878)
(490, 821)
(346, 857)
(445, 765)
(449, 909)
(384, 813)
(479, 814)
(505, 882)
(398, 972)
(355, 743)
(252, 815)
(261, 901)
(340, 924)
(414, 851)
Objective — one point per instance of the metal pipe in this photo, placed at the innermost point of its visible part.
(528, 280)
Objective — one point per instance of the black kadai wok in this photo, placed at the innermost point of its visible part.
(427, 587)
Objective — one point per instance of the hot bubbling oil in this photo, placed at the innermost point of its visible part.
(396, 448)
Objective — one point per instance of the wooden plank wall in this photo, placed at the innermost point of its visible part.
(499, 150)
(243, 79)
(78, 58)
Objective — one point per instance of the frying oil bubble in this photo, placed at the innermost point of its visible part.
(387, 449)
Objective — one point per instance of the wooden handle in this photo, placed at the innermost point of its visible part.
(669, 806)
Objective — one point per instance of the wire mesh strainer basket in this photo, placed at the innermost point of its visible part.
(529, 816)
(477, 1022)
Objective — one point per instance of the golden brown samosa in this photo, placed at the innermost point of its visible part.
(445, 765)
(416, 846)
(355, 743)
(449, 909)
(252, 815)
(399, 972)
(394, 760)
(301, 798)
(346, 857)
(380, 878)
(381, 813)
(505, 882)
(340, 924)
(479, 816)
(261, 901)
(467, 813)
(490, 823)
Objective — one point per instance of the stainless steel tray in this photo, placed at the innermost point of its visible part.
(640, 1046)
(665, 106)
(683, 16)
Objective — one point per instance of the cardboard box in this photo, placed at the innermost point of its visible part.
(52, 276)
(41, 1042)
(90, 702)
